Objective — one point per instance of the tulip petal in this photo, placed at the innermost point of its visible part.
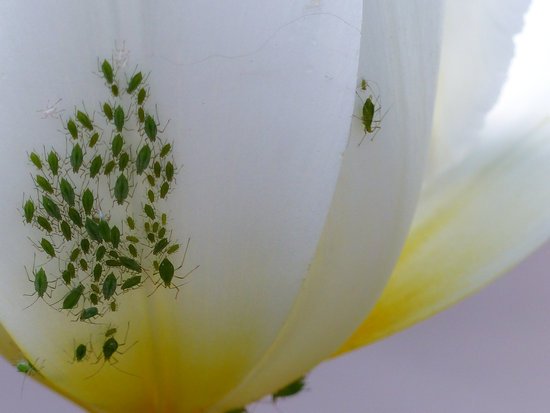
(373, 202)
(473, 224)
(476, 53)
(260, 120)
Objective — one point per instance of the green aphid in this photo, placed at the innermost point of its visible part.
(69, 273)
(142, 94)
(131, 223)
(95, 166)
(73, 130)
(156, 265)
(80, 352)
(51, 207)
(113, 306)
(44, 184)
(93, 140)
(72, 299)
(129, 263)
(88, 313)
(107, 71)
(84, 120)
(134, 82)
(66, 230)
(166, 271)
(109, 348)
(159, 246)
(93, 230)
(94, 299)
(131, 282)
(169, 171)
(85, 245)
(77, 157)
(162, 232)
(53, 162)
(119, 118)
(108, 111)
(151, 237)
(121, 189)
(87, 201)
(109, 286)
(123, 161)
(83, 264)
(163, 219)
(141, 115)
(289, 390)
(74, 215)
(95, 288)
(165, 150)
(151, 180)
(155, 227)
(114, 90)
(100, 252)
(35, 159)
(115, 236)
(113, 263)
(151, 196)
(98, 270)
(104, 230)
(67, 191)
(147, 227)
(132, 250)
(25, 367)
(150, 127)
(109, 167)
(363, 84)
(173, 248)
(149, 211)
(110, 332)
(117, 144)
(28, 211)
(143, 159)
(164, 188)
(44, 223)
(157, 169)
(132, 239)
(74, 254)
(113, 253)
(40, 282)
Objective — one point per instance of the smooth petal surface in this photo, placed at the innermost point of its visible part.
(374, 198)
(470, 228)
(279, 202)
(475, 58)
(481, 217)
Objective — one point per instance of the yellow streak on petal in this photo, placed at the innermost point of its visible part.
(472, 225)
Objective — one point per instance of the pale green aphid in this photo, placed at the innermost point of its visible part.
(142, 94)
(44, 184)
(95, 166)
(93, 140)
(44, 223)
(150, 127)
(134, 83)
(51, 207)
(53, 162)
(121, 189)
(35, 159)
(116, 144)
(108, 111)
(87, 201)
(66, 230)
(107, 71)
(132, 250)
(119, 118)
(77, 157)
(85, 245)
(25, 367)
(67, 191)
(149, 211)
(75, 217)
(123, 161)
(84, 120)
(143, 158)
(71, 300)
(290, 389)
(169, 171)
(73, 130)
(28, 211)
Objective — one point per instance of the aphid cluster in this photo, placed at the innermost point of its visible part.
(370, 118)
(97, 207)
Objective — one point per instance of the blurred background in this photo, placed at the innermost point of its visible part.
(490, 353)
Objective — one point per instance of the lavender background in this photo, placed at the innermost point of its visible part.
(490, 353)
